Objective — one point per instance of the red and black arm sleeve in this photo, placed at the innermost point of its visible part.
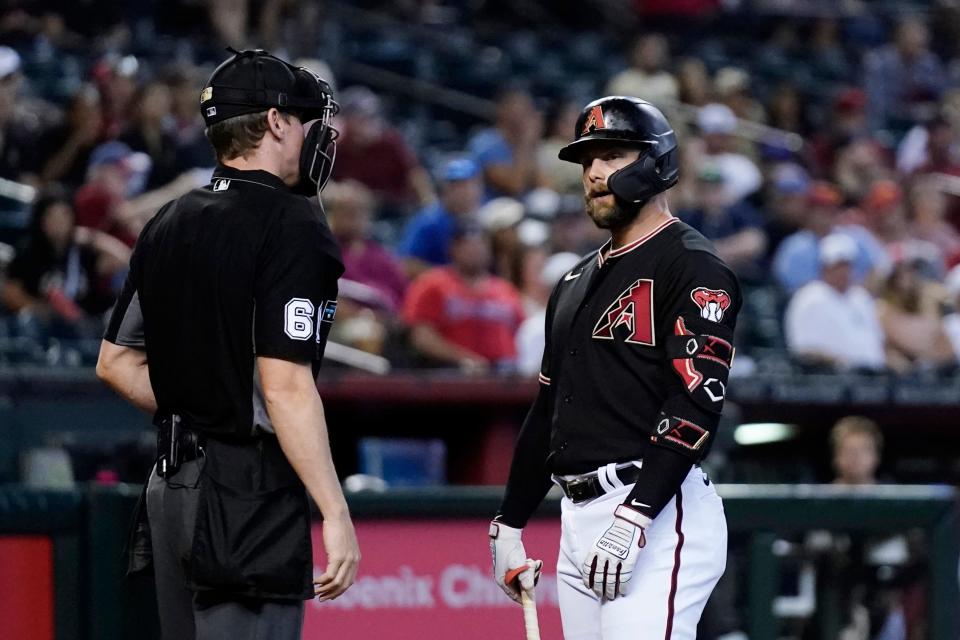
(695, 321)
(529, 478)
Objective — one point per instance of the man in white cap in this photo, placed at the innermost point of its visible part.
(832, 321)
(741, 177)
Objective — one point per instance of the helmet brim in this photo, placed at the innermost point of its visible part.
(574, 151)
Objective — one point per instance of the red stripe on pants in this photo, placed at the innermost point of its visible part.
(676, 566)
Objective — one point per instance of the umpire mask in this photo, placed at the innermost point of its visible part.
(320, 141)
(252, 81)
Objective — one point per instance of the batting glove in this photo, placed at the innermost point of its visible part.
(609, 565)
(510, 564)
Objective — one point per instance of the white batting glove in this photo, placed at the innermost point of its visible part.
(608, 567)
(510, 564)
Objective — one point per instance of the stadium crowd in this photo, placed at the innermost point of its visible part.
(820, 154)
(839, 207)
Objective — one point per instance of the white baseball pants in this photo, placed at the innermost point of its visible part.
(685, 555)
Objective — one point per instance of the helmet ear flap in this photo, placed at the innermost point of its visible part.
(631, 183)
(645, 177)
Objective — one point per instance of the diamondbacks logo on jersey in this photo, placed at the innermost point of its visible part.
(593, 121)
(712, 302)
(633, 310)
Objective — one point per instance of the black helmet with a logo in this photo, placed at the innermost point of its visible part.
(630, 122)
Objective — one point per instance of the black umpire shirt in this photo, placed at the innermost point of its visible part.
(606, 376)
(237, 269)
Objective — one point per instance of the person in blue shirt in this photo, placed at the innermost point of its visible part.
(507, 152)
(796, 261)
(736, 230)
(427, 237)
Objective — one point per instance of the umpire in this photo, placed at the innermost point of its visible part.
(219, 331)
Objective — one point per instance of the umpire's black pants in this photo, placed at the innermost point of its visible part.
(185, 615)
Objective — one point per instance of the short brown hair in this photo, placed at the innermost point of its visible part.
(856, 425)
(237, 136)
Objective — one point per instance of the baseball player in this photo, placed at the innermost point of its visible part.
(634, 373)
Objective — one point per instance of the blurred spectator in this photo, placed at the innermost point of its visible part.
(64, 150)
(736, 230)
(461, 315)
(827, 56)
(507, 152)
(532, 292)
(17, 139)
(902, 77)
(150, 131)
(856, 443)
(741, 177)
(786, 203)
(694, 82)
(426, 238)
(930, 148)
(858, 166)
(875, 572)
(562, 177)
(847, 121)
(499, 218)
(928, 205)
(116, 78)
(732, 88)
(797, 261)
(115, 174)
(884, 214)
(647, 76)
(531, 337)
(62, 274)
(910, 314)
(375, 154)
(349, 206)
(786, 109)
(193, 150)
(951, 323)
(831, 321)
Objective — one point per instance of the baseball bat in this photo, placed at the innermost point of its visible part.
(530, 622)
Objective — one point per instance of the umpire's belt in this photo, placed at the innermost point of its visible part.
(589, 486)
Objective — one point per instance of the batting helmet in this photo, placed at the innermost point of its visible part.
(626, 121)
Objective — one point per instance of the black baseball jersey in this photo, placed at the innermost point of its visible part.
(638, 348)
(239, 268)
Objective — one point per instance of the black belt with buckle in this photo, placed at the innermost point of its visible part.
(588, 487)
(176, 444)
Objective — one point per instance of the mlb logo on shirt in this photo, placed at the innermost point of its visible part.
(211, 111)
(221, 185)
(329, 311)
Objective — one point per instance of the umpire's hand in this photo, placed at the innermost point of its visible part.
(343, 556)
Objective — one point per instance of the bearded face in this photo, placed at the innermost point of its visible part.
(607, 212)
(602, 206)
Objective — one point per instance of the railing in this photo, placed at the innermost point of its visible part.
(87, 530)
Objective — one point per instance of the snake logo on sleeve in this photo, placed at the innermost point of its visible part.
(712, 303)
